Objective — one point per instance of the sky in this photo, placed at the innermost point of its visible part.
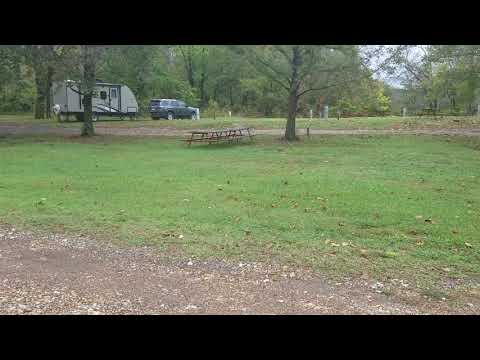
(394, 80)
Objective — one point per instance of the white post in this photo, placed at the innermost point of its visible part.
(229, 114)
(311, 113)
(404, 112)
(198, 113)
(325, 112)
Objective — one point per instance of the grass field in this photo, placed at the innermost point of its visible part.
(379, 123)
(386, 206)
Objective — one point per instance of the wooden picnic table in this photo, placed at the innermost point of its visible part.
(212, 136)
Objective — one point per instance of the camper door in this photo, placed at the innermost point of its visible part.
(107, 98)
(115, 98)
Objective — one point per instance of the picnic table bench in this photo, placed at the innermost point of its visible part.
(215, 136)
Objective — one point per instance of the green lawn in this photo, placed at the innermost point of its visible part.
(266, 123)
(387, 206)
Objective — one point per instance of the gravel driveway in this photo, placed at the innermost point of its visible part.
(59, 274)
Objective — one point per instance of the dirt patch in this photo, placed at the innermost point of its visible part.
(60, 274)
(153, 131)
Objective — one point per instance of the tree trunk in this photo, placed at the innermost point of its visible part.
(40, 106)
(189, 66)
(290, 133)
(202, 90)
(40, 99)
(47, 92)
(88, 88)
(190, 77)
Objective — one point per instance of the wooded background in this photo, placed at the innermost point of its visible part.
(256, 80)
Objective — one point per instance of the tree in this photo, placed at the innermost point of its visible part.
(195, 60)
(89, 60)
(301, 69)
(46, 62)
(17, 89)
(38, 58)
(459, 74)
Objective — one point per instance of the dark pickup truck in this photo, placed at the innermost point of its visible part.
(171, 109)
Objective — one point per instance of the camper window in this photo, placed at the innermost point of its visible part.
(103, 95)
(113, 92)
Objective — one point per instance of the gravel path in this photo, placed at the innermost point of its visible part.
(155, 131)
(58, 274)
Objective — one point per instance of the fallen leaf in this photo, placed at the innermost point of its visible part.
(468, 245)
(344, 244)
(390, 254)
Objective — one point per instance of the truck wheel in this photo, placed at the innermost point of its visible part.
(170, 116)
(194, 116)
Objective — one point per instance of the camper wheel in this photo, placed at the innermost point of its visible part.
(194, 116)
(170, 115)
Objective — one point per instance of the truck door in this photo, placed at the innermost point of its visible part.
(182, 110)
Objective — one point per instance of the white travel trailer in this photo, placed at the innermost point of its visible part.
(108, 100)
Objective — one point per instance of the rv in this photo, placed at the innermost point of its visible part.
(108, 100)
